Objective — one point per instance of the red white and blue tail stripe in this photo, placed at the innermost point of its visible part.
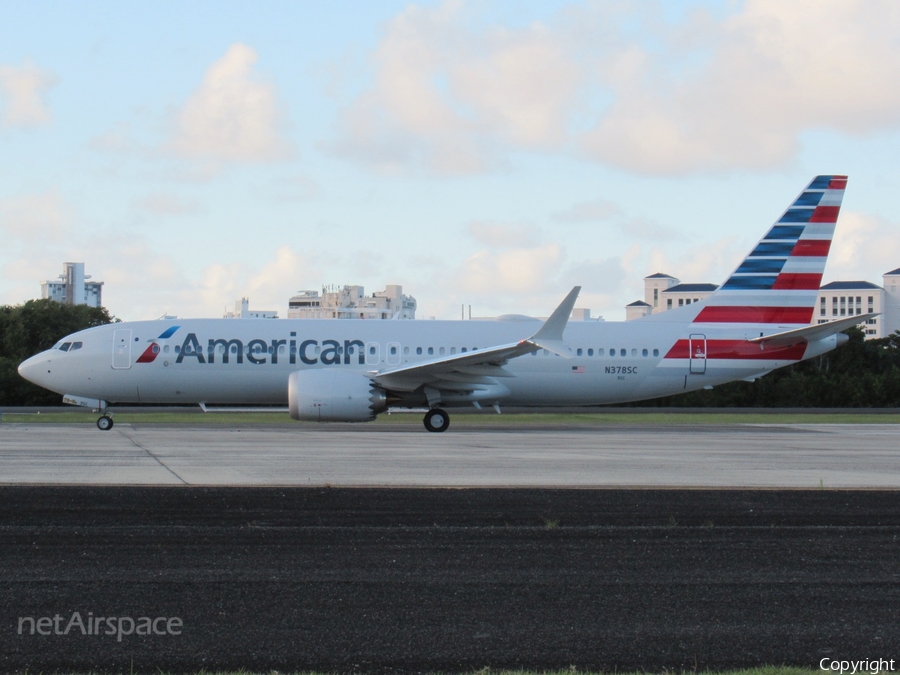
(779, 281)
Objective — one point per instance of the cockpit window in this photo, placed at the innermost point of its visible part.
(64, 347)
(76, 345)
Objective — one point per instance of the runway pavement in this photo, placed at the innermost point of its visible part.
(791, 456)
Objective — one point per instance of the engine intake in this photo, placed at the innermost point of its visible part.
(325, 395)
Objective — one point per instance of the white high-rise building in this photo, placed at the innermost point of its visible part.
(891, 318)
(73, 288)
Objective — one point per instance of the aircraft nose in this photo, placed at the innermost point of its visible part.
(34, 369)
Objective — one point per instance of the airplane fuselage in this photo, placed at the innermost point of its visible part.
(228, 361)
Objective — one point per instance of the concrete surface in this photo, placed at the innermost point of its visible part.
(798, 456)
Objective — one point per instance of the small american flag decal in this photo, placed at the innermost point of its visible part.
(578, 369)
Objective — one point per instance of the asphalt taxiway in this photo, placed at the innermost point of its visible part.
(786, 456)
(389, 580)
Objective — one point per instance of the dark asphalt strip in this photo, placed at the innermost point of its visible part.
(409, 580)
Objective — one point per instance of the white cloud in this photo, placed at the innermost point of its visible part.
(708, 263)
(35, 216)
(769, 72)
(865, 246)
(446, 97)
(233, 115)
(162, 204)
(503, 235)
(588, 212)
(514, 270)
(24, 88)
(619, 85)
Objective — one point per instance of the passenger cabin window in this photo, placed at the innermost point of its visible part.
(655, 352)
(590, 351)
(644, 352)
(419, 350)
(430, 351)
(622, 352)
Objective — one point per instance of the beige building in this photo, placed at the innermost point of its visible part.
(841, 299)
(351, 302)
(242, 311)
(836, 300)
(662, 292)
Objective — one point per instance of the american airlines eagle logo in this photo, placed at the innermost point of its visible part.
(153, 349)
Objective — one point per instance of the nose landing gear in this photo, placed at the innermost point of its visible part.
(437, 420)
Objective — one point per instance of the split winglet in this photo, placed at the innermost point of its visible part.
(550, 335)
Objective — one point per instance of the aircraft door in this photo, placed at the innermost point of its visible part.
(697, 353)
(373, 354)
(121, 356)
(393, 353)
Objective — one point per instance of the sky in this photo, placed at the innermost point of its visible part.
(487, 153)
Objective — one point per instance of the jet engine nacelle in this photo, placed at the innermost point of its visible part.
(325, 395)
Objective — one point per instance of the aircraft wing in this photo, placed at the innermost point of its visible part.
(475, 369)
(811, 333)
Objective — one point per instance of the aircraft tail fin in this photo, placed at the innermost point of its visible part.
(778, 282)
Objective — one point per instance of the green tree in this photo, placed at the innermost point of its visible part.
(30, 328)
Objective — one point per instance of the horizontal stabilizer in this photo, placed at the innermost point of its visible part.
(812, 333)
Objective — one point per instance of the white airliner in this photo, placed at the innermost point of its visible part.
(350, 371)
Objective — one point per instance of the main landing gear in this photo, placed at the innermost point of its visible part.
(105, 423)
(437, 420)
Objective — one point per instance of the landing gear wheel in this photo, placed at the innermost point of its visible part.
(105, 423)
(437, 420)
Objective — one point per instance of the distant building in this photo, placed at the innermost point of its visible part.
(351, 302)
(637, 309)
(841, 299)
(242, 311)
(73, 288)
(891, 318)
(836, 300)
(662, 292)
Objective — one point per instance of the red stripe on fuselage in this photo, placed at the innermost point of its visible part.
(798, 315)
(738, 349)
(813, 248)
(797, 282)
